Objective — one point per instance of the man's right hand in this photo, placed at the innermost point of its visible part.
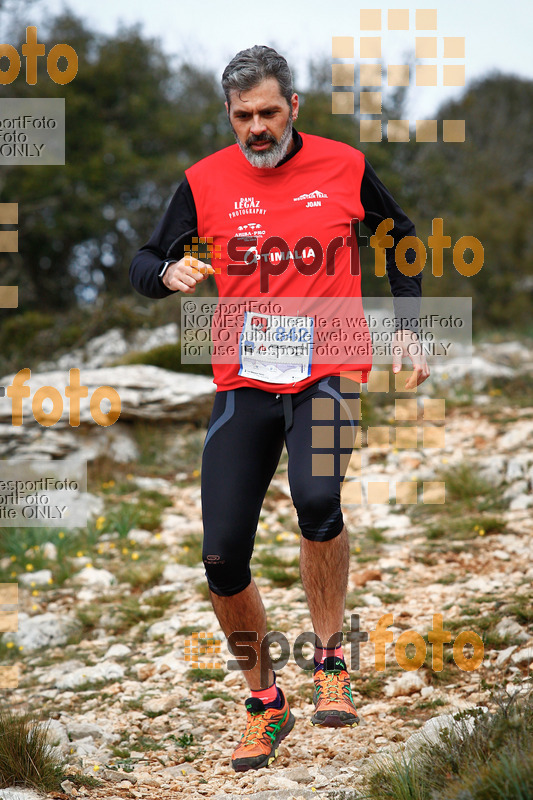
(183, 275)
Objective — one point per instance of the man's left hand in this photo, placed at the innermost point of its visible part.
(407, 343)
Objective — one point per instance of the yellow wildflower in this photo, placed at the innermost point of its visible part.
(29, 567)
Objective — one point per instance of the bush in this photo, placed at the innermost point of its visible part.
(26, 756)
(166, 356)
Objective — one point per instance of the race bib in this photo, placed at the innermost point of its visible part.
(276, 348)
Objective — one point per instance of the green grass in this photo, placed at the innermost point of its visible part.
(279, 576)
(199, 675)
(493, 761)
(466, 528)
(222, 695)
(191, 550)
(430, 704)
(390, 597)
(26, 757)
(521, 609)
(126, 611)
(269, 559)
(166, 356)
(369, 685)
(142, 574)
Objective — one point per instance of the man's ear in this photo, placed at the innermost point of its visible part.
(294, 106)
(227, 107)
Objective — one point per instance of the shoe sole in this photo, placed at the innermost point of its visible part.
(268, 759)
(332, 719)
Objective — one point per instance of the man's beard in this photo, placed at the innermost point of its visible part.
(274, 154)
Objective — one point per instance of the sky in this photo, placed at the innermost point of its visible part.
(209, 32)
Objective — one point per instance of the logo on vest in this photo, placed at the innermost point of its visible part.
(246, 205)
(249, 229)
(313, 198)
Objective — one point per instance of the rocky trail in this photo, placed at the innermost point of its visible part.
(104, 649)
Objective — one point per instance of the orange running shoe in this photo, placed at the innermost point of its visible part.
(334, 705)
(265, 728)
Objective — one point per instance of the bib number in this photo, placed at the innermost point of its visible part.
(276, 348)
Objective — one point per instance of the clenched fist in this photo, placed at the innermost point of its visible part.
(183, 275)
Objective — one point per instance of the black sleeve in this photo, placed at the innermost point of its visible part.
(379, 204)
(175, 230)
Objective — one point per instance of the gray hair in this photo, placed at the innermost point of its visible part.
(249, 67)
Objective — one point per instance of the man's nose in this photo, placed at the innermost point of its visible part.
(258, 126)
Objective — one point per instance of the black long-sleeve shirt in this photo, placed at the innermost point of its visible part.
(179, 224)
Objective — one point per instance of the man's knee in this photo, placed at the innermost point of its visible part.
(320, 517)
(226, 577)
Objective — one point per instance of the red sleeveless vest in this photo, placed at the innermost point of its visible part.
(286, 233)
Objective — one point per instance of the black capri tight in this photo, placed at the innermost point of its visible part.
(242, 449)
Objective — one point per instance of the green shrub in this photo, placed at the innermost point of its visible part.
(26, 756)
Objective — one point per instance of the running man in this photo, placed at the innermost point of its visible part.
(277, 186)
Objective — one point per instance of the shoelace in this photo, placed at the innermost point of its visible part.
(331, 686)
(253, 732)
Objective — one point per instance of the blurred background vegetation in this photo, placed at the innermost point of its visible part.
(134, 122)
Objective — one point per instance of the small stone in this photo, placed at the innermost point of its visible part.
(145, 671)
(104, 671)
(140, 536)
(406, 684)
(115, 776)
(362, 578)
(524, 656)
(84, 729)
(521, 502)
(164, 704)
(371, 600)
(502, 555)
(508, 626)
(164, 628)
(118, 651)
(69, 788)
(298, 774)
(50, 551)
(89, 576)
(40, 578)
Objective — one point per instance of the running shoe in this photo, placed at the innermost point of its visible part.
(334, 705)
(265, 728)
